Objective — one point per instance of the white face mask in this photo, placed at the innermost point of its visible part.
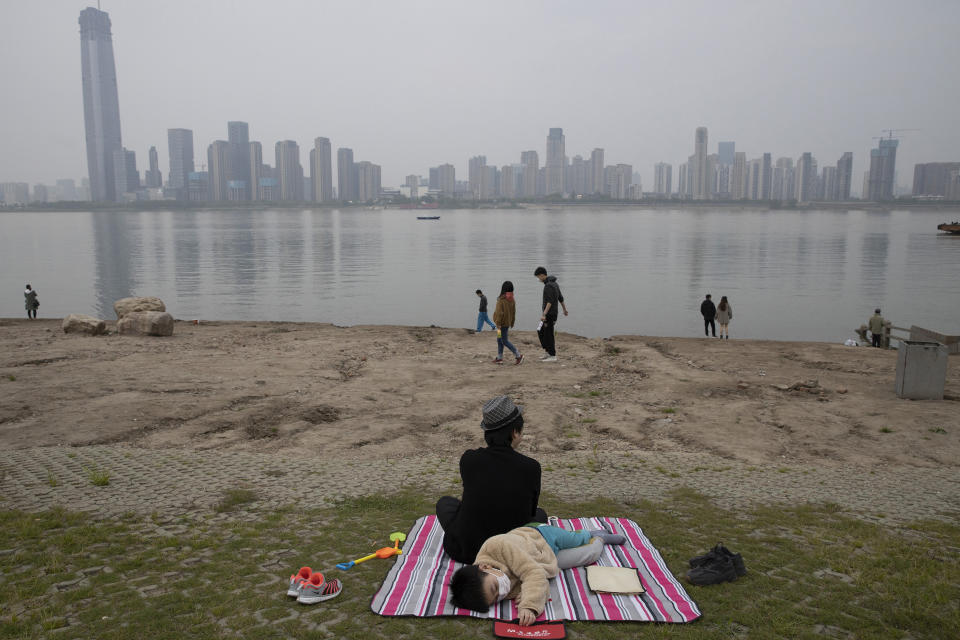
(503, 585)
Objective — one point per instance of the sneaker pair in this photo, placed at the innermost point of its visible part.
(716, 566)
(309, 587)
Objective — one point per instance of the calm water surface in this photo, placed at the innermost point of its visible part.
(812, 275)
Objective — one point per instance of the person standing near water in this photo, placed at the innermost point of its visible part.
(482, 316)
(709, 311)
(504, 316)
(876, 328)
(724, 316)
(30, 302)
(548, 317)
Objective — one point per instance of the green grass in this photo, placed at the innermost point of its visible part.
(937, 430)
(12, 378)
(233, 498)
(807, 565)
(886, 430)
(668, 410)
(97, 477)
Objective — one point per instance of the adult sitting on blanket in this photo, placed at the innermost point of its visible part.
(521, 563)
(501, 487)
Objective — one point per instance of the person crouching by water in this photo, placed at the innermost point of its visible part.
(30, 302)
(504, 316)
(501, 487)
(876, 328)
(724, 316)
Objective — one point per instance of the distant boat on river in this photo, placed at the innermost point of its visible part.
(949, 227)
(428, 217)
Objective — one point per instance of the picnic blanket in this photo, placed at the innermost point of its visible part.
(417, 583)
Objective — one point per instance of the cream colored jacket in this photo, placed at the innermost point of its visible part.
(527, 560)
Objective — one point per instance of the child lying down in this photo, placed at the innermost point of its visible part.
(521, 562)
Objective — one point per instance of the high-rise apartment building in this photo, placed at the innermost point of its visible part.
(368, 181)
(682, 180)
(255, 170)
(883, 166)
(766, 175)
(579, 177)
(725, 152)
(447, 180)
(556, 161)
(101, 106)
(699, 176)
(14, 193)
(508, 182)
(321, 170)
(346, 175)
(152, 178)
(180, 152)
(219, 159)
(238, 170)
(531, 169)
(663, 179)
(932, 178)
(738, 176)
(475, 174)
(828, 182)
(844, 176)
(289, 171)
(805, 173)
(596, 171)
(126, 178)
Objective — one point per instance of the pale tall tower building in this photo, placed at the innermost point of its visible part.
(844, 176)
(289, 171)
(368, 181)
(321, 170)
(153, 179)
(238, 135)
(682, 180)
(738, 176)
(218, 169)
(596, 171)
(531, 169)
(556, 161)
(346, 175)
(700, 175)
(662, 179)
(180, 152)
(883, 161)
(101, 106)
(805, 174)
(255, 170)
(476, 167)
(447, 180)
(126, 177)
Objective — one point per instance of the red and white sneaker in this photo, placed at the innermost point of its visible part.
(314, 592)
(298, 579)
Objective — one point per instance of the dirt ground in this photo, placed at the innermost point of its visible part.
(382, 392)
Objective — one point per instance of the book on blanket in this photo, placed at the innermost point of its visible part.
(614, 579)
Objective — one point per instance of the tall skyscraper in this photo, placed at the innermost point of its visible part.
(238, 171)
(556, 161)
(663, 179)
(766, 175)
(368, 181)
(180, 151)
(289, 171)
(829, 182)
(447, 180)
(219, 159)
(101, 106)
(152, 178)
(698, 177)
(321, 170)
(883, 166)
(126, 178)
(346, 176)
(255, 170)
(475, 174)
(726, 151)
(682, 180)
(531, 169)
(804, 176)
(932, 178)
(844, 176)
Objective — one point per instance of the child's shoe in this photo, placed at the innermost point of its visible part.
(312, 593)
(297, 580)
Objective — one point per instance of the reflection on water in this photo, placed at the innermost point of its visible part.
(789, 275)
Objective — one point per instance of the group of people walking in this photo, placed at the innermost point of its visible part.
(713, 315)
(505, 316)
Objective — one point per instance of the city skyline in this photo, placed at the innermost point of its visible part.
(639, 115)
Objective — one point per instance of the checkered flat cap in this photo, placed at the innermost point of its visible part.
(499, 412)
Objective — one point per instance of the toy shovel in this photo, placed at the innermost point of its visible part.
(383, 552)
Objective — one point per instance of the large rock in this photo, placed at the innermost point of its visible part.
(79, 323)
(130, 305)
(146, 323)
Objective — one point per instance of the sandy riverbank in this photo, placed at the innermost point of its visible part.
(385, 392)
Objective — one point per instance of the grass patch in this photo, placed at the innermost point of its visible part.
(97, 477)
(588, 420)
(810, 567)
(12, 378)
(886, 430)
(668, 410)
(937, 430)
(595, 393)
(233, 498)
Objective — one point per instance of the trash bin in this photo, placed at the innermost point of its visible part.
(921, 370)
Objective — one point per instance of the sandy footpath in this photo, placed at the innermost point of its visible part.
(368, 395)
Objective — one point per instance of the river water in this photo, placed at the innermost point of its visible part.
(811, 275)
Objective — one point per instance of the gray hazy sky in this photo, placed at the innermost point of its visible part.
(409, 85)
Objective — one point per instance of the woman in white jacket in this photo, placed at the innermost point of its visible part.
(724, 316)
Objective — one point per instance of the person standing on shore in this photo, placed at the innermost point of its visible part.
(724, 316)
(709, 311)
(482, 317)
(504, 316)
(876, 328)
(30, 302)
(548, 317)
(501, 486)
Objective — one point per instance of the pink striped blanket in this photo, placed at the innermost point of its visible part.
(417, 583)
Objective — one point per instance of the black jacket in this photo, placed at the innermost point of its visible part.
(501, 489)
(708, 310)
(483, 303)
(551, 294)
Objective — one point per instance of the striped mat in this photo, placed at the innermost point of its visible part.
(417, 583)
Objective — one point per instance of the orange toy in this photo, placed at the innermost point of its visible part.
(383, 552)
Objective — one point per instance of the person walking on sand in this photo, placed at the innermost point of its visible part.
(876, 328)
(482, 317)
(709, 311)
(548, 317)
(501, 486)
(30, 302)
(724, 316)
(504, 316)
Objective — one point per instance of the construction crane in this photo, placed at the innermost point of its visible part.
(890, 133)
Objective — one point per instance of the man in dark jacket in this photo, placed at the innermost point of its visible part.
(548, 317)
(501, 487)
(709, 311)
(482, 316)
